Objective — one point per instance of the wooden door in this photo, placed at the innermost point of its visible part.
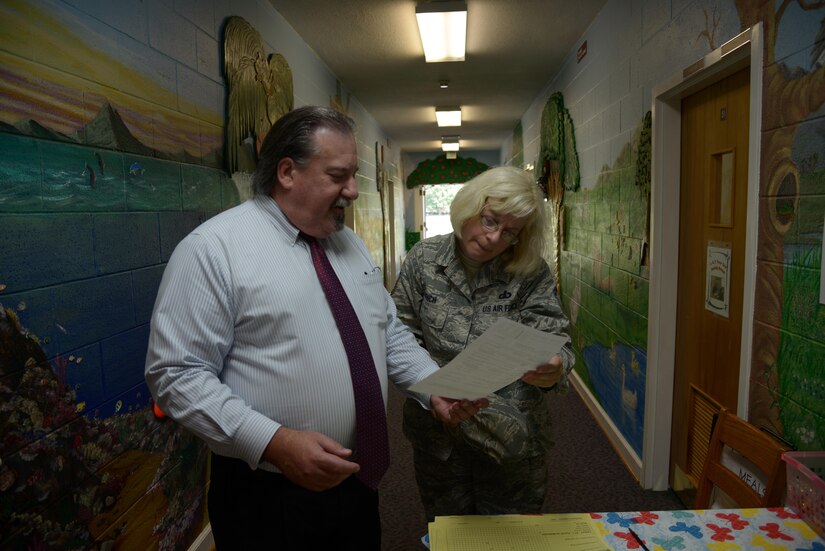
(712, 229)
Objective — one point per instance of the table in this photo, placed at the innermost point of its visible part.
(772, 529)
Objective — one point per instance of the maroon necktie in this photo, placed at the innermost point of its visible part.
(370, 414)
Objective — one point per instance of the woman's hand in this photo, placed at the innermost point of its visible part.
(546, 375)
(453, 412)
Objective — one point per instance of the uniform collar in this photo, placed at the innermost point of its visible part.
(447, 257)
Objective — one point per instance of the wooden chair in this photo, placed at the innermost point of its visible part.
(757, 447)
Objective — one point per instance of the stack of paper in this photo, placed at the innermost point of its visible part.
(557, 532)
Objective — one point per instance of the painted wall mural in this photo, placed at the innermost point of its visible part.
(105, 165)
(441, 170)
(558, 168)
(84, 462)
(789, 351)
(368, 220)
(517, 149)
(112, 96)
(606, 233)
(107, 160)
(111, 456)
(111, 151)
(604, 291)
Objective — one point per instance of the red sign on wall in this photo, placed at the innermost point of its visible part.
(581, 52)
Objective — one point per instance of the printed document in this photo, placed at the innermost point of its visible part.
(556, 532)
(505, 352)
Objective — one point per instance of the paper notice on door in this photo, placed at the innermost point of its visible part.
(505, 352)
(717, 284)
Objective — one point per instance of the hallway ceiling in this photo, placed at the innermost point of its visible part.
(514, 48)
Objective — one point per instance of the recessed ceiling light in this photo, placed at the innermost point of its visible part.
(443, 29)
(449, 143)
(448, 116)
(443, 84)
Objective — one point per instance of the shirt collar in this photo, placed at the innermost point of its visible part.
(279, 219)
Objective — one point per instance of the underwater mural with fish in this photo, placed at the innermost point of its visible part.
(105, 164)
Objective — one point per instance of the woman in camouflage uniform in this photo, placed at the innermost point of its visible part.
(451, 289)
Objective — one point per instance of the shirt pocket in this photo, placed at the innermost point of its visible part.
(371, 300)
(433, 317)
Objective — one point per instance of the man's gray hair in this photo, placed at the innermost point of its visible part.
(293, 136)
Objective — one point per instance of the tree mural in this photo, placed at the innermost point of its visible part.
(789, 98)
(441, 170)
(558, 167)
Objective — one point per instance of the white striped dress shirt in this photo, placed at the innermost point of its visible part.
(243, 341)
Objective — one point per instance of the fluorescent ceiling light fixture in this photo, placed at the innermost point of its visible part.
(448, 116)
(443, 29)
(449, 143)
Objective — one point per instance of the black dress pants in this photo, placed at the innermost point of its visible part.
(251, 510)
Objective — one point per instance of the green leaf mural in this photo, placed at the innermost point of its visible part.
(442, 170)
(558, 142)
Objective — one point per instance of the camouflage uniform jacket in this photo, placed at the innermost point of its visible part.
(435, 300)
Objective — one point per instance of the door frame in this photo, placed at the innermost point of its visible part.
(742, 51)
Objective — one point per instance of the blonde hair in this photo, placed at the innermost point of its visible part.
(511, 191)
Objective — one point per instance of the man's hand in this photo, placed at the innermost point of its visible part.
(453, 412)
(309, 459)
(546, 375)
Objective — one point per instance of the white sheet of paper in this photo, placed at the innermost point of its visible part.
(498, 357)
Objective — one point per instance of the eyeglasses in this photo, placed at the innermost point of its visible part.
(491, 225)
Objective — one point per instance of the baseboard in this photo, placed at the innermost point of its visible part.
(204, 541)
(626, 452)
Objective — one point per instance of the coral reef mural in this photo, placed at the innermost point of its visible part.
(74, 477)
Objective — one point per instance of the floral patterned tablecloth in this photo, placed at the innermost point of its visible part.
(773, 529)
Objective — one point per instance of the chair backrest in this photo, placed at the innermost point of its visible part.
(757, 447)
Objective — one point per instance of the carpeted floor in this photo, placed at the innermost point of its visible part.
(586, 475)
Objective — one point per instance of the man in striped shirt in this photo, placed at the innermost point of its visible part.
(245, 353)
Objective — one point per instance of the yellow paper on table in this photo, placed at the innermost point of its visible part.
(555, 532)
